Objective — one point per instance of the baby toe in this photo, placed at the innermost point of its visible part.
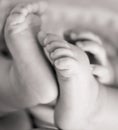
(12, 24)
(17, 15)
(51, 38)
(20, 9)
(37, 7)
(66, 66)
(56, 45)
(15, 19)
(61, 52)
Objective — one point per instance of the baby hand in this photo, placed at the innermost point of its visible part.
(100, 64)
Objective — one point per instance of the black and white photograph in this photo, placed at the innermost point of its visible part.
(58, 64)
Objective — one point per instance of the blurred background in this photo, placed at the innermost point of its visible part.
(111, 4)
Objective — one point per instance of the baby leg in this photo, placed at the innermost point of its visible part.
(78, 88)
(31, 74)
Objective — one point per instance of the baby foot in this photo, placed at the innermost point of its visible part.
(78, 89)
(29, 60)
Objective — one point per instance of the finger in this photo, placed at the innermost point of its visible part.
(85, 36)
(88, 36)
(103, 74)
(95, 49)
